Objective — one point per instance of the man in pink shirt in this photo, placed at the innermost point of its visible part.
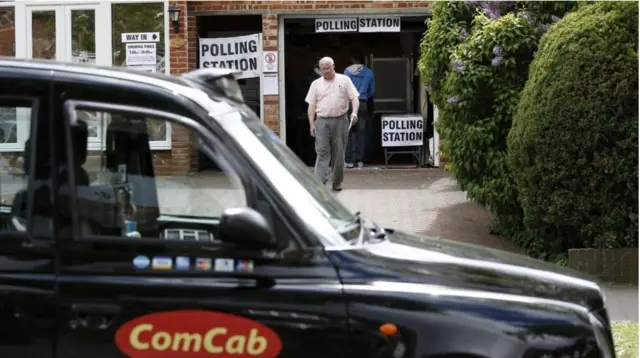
(328, 100)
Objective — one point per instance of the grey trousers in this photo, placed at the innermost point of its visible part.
(331, 138)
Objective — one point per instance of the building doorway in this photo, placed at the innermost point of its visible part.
(392, 56)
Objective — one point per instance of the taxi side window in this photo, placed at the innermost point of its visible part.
(126, 188)
(15, 124)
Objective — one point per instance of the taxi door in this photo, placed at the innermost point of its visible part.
(27, 256)
(161, 284)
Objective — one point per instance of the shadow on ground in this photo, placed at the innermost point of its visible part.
(468, 222)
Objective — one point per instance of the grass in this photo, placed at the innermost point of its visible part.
(625, 335)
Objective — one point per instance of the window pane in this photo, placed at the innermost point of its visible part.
(12, 174)
(8, 125)
(7, 32)
(83, 36)
(93, 120)
(142, 17)
(118, 184)
(13, 122)
(43, 34)
(157, 130)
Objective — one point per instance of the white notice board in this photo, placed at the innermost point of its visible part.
(141, 54)
(402, 130)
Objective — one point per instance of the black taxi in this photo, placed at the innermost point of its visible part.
(103, 256)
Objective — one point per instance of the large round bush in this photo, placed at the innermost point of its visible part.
(573, 146)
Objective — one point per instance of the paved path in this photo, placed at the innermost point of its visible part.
(424, 201)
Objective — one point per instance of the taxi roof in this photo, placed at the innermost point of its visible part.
(121, 73)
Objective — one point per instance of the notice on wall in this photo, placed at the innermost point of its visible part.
(140, 54)
(140, 37)
(359, 24)
(242, 53)
(270, 64)
(402, 130)
(270, 84)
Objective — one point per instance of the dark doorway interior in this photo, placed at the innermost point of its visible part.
(230, 26)
(392, 56)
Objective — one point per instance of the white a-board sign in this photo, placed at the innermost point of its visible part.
(402, 130)
(242, 53)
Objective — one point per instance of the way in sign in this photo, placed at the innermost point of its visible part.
(140, 37)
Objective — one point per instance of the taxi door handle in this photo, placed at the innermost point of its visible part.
(93, 316)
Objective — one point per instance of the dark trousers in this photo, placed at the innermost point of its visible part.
(358, 138)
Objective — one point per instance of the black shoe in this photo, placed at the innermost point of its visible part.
(336, 187)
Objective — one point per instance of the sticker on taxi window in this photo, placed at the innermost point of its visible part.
(244, 265)
(193, 333)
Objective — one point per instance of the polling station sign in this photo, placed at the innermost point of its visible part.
(241, 53)
(358, 24)
(402, 131)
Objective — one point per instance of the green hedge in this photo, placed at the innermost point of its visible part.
(475, 61)
(573, 147)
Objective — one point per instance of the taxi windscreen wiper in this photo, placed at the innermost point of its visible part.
(362, 237)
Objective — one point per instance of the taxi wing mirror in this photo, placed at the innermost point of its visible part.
(247, 228)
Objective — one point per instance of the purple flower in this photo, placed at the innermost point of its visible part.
(497, 50)
(543, 27)
(497, 61)
(454, 99)
(491, 13)
(554, 18)
(463, 33)
(458, 66)
(475, 3)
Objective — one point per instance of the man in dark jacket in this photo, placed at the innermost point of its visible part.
(364, 81)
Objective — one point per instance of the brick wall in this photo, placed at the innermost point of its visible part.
(182, 158)
(308, 5)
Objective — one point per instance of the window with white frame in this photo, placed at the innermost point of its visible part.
(82, 36)
(143, 17)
